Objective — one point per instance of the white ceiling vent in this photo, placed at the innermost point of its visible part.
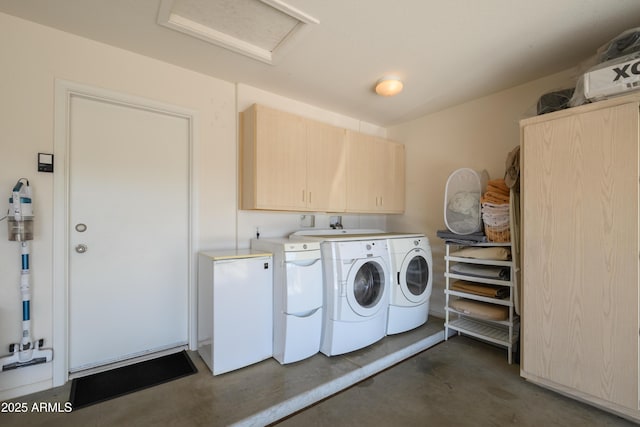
(259, 29)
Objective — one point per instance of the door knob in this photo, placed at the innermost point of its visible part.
(81, 248)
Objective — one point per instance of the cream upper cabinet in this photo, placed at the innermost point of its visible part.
(326, 161)
(393, 194)
(291, 163)
(580, 253)
(375, 174)
(274, 154)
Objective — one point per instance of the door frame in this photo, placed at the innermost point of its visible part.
(64, 91)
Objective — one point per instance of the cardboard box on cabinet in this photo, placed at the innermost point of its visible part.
(613, 79)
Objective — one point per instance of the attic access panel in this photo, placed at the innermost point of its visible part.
(259, 29)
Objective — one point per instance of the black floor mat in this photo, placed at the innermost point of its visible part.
(103, 386)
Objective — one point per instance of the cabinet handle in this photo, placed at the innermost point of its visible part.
(309, 197)
(381, 201)
(303, 195)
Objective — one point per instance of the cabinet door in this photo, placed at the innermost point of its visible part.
(375, 174)
(580, 253)
(280, 160)
(326, 187)
(392, 197)
(364, 160)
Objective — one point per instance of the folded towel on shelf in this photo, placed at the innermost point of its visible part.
(462, 239)
(496, 220)
(495, 198)
(480, 310)
(498, 186)
(495, 253)
(484, 271)
(497, 192)
(495, 207)
(480, 289)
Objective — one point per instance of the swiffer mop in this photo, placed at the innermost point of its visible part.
(20, 219)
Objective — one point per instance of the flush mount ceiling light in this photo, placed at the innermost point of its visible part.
(260, 29)
(388, 86)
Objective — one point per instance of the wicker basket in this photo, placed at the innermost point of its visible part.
(497, 233)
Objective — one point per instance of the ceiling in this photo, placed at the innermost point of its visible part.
(446, 52)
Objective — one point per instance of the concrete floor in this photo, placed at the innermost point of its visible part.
(460, 382)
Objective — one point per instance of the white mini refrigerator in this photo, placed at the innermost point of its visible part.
(235, 308)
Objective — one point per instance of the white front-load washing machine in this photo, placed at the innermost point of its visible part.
(411, 266)
(356, 285)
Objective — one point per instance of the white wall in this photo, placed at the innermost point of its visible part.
(479, 135)
(35, 56)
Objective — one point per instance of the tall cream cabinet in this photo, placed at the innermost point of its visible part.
(375, 174)
(291, 163)
(580, 182)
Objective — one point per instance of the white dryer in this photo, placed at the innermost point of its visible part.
(356, 289)
(412, 273)
(297, 297)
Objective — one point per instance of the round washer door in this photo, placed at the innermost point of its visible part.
(366, 286)
(416, 276)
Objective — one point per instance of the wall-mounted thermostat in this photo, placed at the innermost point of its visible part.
(45, 162)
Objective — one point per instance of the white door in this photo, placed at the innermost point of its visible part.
(128, 231)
